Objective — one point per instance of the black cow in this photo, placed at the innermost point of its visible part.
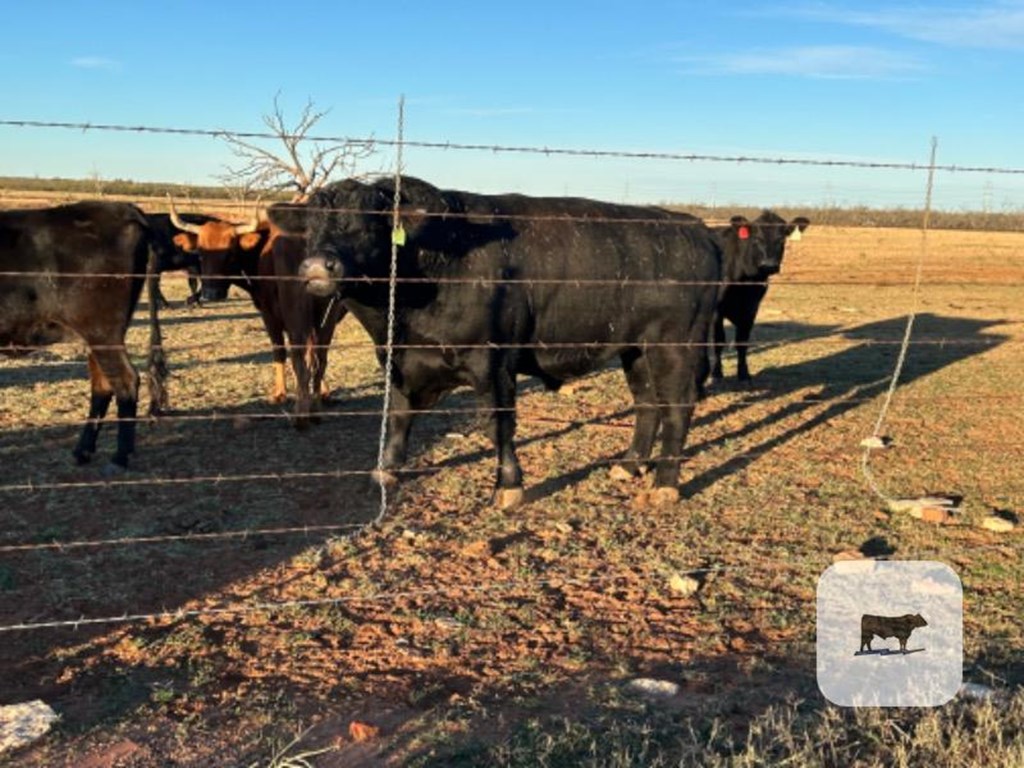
(739, 303)
(262, 262)
(176, 256)
(83, 268)
(899, 627)
(498, 285)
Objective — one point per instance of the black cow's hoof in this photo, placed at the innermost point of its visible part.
(664, 495)
(81, 457)
(508, 498)
(620, 474)
(381, 477)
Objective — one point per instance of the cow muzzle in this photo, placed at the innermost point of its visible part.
(320, 274)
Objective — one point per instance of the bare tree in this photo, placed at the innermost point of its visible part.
(303, 165)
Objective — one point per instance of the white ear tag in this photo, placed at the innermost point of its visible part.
(398, 235)
(796, 235)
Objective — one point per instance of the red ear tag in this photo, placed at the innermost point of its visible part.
(744, 233)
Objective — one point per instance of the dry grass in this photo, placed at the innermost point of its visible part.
(478, 637)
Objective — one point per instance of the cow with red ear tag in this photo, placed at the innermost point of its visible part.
(747, 282)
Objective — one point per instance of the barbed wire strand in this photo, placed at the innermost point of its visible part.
(483, 281)
(245, 533)
(260, 347)
(876, 433)
(414, 472)
(514, 149)
(284, 415)
(552, 582)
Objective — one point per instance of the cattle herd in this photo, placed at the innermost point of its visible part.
(488, 288)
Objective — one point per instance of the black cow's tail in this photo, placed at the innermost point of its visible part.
(156, 363)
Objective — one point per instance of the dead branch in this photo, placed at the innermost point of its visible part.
(297, 163)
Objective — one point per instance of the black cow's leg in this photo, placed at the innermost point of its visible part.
(322, 337)
(637, 366)
(101, 395)
(195, 288)
(676, 382)
(400, 416)
(127, 410)
(509, 486)
(743, 329)
(300, 364)
(124, 381)
(716, 370)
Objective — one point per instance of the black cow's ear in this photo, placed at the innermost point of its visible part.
(289, 217)
(801, 223)
(422, 203)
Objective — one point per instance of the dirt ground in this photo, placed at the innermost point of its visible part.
(243, 607)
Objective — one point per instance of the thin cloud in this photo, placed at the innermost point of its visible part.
(830, 62)
(95, 62)
(991, 25)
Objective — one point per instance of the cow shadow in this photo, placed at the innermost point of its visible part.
(195, 315)
(845, 379)
(45, 367)
(48, 370)
(889, 652)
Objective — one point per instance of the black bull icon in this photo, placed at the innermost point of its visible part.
(884, 627)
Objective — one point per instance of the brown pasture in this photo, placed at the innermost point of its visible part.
(451, 626)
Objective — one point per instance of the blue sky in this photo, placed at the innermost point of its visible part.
(855, 81)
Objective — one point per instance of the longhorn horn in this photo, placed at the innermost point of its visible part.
(254, 222)
(184, 226)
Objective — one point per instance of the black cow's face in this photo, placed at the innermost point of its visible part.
(348, 230)
(746, 249)
(777, 231)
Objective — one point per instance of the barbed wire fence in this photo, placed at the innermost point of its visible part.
(904, 344)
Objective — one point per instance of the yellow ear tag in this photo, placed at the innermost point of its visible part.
(398, 235)
(796, 235)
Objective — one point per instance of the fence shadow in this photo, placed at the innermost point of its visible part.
(258, 473)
